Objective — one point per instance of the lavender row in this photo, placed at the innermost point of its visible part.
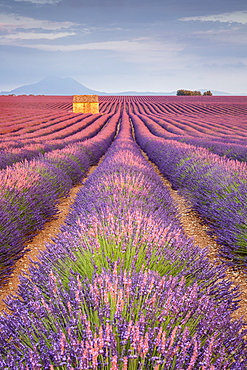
(30, 191)
(30, 124)
(122, 287)
(25, 152)
(85, 129)
(215, 145)
(216, 187)
(79, 128)
(12, 121)
(230, 150)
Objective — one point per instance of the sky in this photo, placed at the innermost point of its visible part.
(124, 45)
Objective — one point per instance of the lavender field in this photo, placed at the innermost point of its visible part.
(122, 286)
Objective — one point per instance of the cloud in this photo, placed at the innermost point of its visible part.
(233, 17)
(231, 66)
(129, 46)
(14, 29)
(11, 22)
(42, 2)
(234, 35)
(37, 36)
(144, 50)
(119, 46)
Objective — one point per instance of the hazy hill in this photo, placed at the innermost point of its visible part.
(68, 86)
(54, 86)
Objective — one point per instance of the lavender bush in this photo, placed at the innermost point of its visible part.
(218, 145)
(120, 321)
(30, 190)
(216, 187)
(122, 287)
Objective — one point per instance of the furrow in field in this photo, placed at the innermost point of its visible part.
(194, 228)
(38, 243)
(215, 186)
(26, 205)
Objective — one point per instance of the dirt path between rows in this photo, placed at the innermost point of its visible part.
(38, 243)
(197, 231)
(193, 227)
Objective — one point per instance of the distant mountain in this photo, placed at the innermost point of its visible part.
(54, 86)
(68, 86)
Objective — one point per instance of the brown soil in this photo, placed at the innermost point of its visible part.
(197, 231)
(38, 243)
(194, 228)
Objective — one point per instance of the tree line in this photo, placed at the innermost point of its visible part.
(193, 93)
